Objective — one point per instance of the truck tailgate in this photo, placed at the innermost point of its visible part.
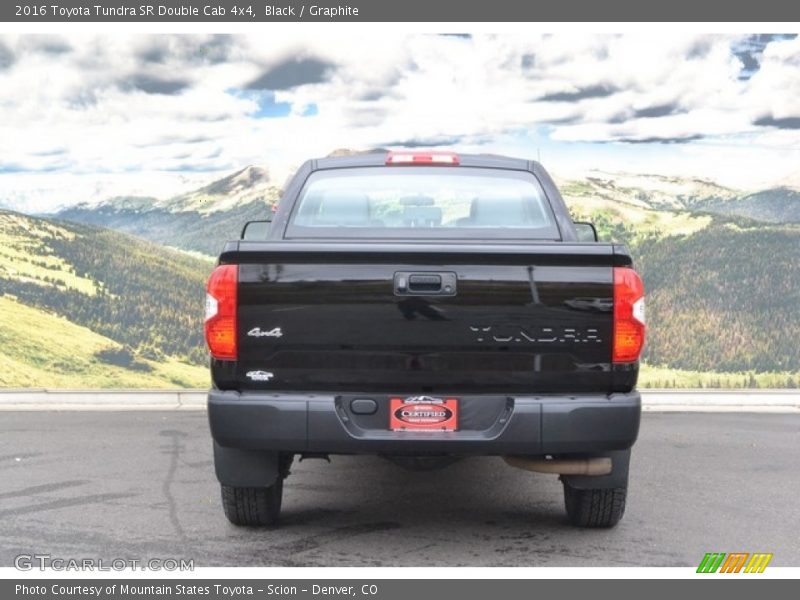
(329, 316)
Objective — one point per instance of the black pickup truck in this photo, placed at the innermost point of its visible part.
(424, 306)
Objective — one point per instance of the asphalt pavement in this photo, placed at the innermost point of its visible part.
(140, 485)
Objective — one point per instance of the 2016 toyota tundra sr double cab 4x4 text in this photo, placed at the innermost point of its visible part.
(424, 306)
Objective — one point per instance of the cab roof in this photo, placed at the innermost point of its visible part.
(378, 159)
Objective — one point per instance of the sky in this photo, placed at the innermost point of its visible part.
(86, 117)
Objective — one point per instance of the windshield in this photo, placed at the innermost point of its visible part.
(422, 202)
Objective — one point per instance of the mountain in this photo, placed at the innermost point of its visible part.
(775, 205)
(353, 152)
(779, 204)
(724, 298)
(722, 281)
(659, 192)
(203, 220)
(200, 221)
(723, 285)
(722, 291)
(85, 306)
(250, 185)
(127, 203)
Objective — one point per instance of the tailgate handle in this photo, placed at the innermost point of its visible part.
(424, 283)
(420, 284)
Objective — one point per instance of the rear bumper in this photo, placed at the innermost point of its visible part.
(532, 425)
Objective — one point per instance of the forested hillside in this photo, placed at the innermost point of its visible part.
(200, 221)
(722, 293)
(187, 230)
(42, 349)
(725, 298)
(776, 205)
(145, 298)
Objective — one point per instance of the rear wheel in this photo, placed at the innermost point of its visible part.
(597, 508)
(253, 506)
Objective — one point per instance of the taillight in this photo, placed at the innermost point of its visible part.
(220, 323)
(629, 324)
(422, 158)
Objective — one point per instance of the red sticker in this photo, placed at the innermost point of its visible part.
(423, 413)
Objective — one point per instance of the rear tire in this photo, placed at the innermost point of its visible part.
(253, 506)
(595, 508)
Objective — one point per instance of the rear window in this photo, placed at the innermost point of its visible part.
(422, 202)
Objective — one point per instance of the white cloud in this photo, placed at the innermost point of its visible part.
(158, 106)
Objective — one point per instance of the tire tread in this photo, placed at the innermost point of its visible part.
(595, 508)
(252, 506)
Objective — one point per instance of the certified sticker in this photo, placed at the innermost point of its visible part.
(423, 413)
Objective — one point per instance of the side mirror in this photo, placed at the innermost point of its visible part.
(586, 232)
(255, 230)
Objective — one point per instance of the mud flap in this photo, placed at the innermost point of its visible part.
(618, 478)
(245, 468)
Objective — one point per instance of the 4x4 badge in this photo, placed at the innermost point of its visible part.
(256, 332)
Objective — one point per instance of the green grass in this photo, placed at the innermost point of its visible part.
(139, 294)
(664, 377)
(41, 349)
(25, 256)
(631, 224)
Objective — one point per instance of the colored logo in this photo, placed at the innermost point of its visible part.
(423, 413)
(735, 562)
(420, 413)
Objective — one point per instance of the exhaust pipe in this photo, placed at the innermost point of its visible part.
(563, 466)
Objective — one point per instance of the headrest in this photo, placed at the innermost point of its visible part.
(343, 207)
(499, 211)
